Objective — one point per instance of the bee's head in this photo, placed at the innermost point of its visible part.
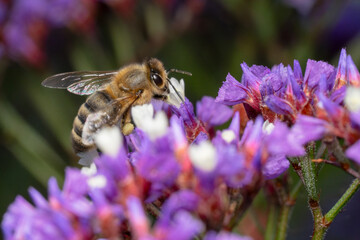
(157, 76)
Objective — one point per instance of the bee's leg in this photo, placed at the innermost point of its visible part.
(127, 126)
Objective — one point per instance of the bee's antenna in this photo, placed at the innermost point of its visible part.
(177, 93)
(179, 71)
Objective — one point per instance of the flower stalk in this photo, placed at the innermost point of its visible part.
(339, 205)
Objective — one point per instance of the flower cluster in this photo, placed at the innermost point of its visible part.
(175, 166)
(322, 103)
(183, 172)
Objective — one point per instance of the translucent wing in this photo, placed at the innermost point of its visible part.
(80, 83)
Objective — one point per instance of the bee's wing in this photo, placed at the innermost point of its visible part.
(80, 83)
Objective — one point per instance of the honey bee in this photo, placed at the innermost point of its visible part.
(112, 94)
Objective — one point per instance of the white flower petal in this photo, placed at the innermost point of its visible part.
(268, 127)
(228, 135)
(173, 98)
(143, 119)
(352, 99)
(89, 171)
(109, 140)
(203, 156)
(98, 181)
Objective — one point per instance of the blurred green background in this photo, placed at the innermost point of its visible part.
(206, 37)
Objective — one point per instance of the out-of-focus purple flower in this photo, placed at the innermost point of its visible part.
(53, 220)
(212, 113)
(182, 200)
(275, 166)
(16, 219)
(156, 162)
(282, 142)
(231, 164)
(183, 226)
(108, 215)
(308, 129)
(137, 218)
(70, 199)
(353, 152)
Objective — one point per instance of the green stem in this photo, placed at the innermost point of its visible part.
(270, 227)
(329, 217)
(283, 222)
(309, 177)
(285, 212)
(319, 227)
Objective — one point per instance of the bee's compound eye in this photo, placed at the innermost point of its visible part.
(156, 79)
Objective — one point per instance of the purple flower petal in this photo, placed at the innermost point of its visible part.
(278, 105)
(183, 227)
(182, 200)
(332, 109)
(353, 152)
(211, 112)
(281, 142)
(275, 166)
(252, 76)
(298, 73)
(235, 126)
(352, 72)
(338, 95)
(307, 129)
(313, 72)
(156, 161)
(355, 119)
(341, 69)
(232, 92)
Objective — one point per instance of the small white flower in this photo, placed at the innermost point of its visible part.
(268, 127)
(203, 156)
(98, 181)
(143, 119)
(228, 135)
(140, 113)
(352, 99)
(109, 140)
(89, 171)
(173, 98)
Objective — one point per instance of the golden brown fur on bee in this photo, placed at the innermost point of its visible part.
(135, 84)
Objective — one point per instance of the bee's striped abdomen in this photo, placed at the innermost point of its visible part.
(97, 101)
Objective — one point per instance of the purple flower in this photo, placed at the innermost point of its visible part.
(46, 220)
(353, 152)
(307, 129)
(182, 227)
(76, 204)
(275, 166)
(232, 92)
(16, 219)
(137, 218)
(281, 141)
(278, 105)
(182, 200)
(212, 113)
(156, 162)
(313, 73)
(192, 125)
(352, 72)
